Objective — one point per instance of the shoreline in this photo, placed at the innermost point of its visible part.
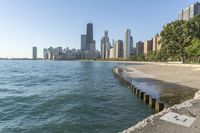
(146, 124)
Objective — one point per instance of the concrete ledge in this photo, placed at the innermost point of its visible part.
(153, 124)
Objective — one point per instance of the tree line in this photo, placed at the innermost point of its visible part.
(180, 41)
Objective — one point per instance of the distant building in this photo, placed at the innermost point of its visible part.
(61, 54)
(139, 48)
(156, 44)
(119, 49)
(127, 43)
(89, 37)
(92, 50)
(131, 46)
(34, 53)
(148, 46)
(78, 54)
(45, 54)
(98, 54)
(112, 53)
(105, 46)
(88, 46)
(134, 51)
(189, 12)
(50, 53)
(83, 46)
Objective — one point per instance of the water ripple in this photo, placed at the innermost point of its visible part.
(65, 96)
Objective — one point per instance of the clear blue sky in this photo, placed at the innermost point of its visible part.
(44, 23)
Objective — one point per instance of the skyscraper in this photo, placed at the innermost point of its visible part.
(45, 54)
(127, 43)
(50, 53)
(189, 12)
(131, 46)
(89, 35)
(139, 48)
(34, 53)
(88, 46)
(83, 46)
(112, 53)
(105, 46)
(119, 49)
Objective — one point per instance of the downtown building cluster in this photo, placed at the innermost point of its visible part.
(119, 48)
(87, 51)
(61, 54)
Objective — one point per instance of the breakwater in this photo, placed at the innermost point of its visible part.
(148, 99)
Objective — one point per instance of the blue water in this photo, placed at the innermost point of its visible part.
(65, 97)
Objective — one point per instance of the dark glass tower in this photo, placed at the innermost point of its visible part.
(89, 36)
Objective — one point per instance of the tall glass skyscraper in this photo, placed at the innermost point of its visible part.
(89, 35)
(127, 43)
(88, 46)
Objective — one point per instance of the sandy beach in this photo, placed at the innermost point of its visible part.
(181, 74)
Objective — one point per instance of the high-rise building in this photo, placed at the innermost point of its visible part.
(119, 49)
(50, 53)
(45, 54)
(89, 35)
(127, 43)
(34, 53)
(148, 46)
(83, 46)
(88, 46)
(131, 46)
(189, 12)
(139, 48)
(57, 53)
(156, 45)
(105, 46)
(112, 53)
(93, 50)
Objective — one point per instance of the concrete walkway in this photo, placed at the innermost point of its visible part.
(154, 124)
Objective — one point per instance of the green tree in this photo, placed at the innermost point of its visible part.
(193, 51)
(193, 28)
(174, 39)
(153, 56)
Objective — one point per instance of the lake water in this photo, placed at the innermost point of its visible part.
(65, 97)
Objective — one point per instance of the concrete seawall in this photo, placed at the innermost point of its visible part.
(144, 96)
(153, 123)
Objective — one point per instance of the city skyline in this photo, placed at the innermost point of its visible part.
(34, 23)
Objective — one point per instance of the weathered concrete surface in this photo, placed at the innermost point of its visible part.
(178, 75)
(154, 124)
